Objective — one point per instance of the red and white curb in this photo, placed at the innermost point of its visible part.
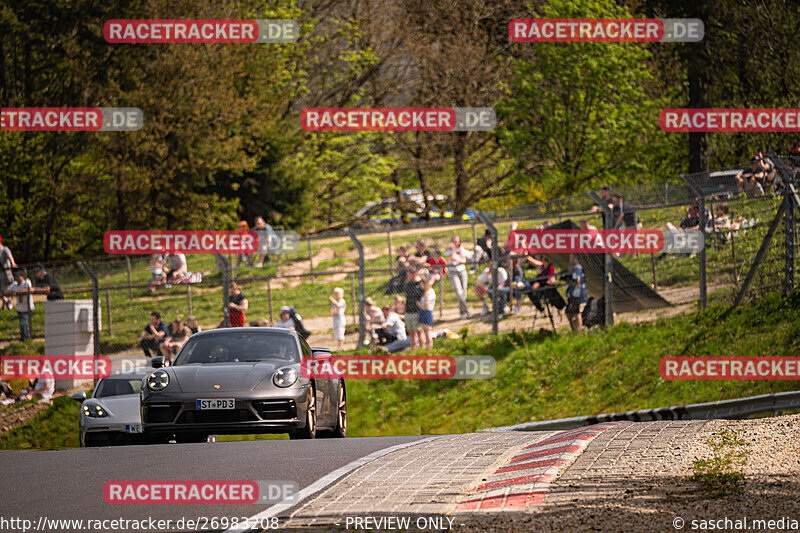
(526, 479)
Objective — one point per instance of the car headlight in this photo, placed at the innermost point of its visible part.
(285, 377)
(93, 410)
(158, 380)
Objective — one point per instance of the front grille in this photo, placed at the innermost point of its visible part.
(217, 416)
(160, 413)
(276, 409)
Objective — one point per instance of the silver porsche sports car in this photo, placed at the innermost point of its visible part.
(242, 381)
(111, 415)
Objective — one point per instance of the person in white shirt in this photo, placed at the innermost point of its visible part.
(21, 291)
(177, 267)
(483, 287)
(338, 306)
(457, 273)
(393, 329)
(45, 386)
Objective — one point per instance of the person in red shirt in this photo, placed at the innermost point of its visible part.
(437, 260)
(237, 306)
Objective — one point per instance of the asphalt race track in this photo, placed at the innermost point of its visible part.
(68, 484)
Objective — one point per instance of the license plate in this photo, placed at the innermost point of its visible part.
(133, 428)
(219, 403)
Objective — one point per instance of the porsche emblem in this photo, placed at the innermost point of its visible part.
(217, 386)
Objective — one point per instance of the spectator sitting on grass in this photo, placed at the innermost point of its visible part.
(46, 284)
(157, 274)
(7, 395)
(7, 266)
(191, 323)
(153, 334)
(392, 329)
(22, 290)
(172, 344)
(373, 318)
(177, 267)
(286, 318)
(42, 388)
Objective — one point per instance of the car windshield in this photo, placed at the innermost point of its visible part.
(114, 386)
(239, 347)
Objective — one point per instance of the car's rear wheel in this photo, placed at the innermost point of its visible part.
(310, 431)
(340, 431)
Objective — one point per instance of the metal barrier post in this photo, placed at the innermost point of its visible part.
(108, 312)
(95, 312)
(130, 281)
(792, 202)
(360, 248)
(702, 255)
(226, 275)
(608, 223)
(495, 296)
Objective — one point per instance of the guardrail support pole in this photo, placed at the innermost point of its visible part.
(226, 279)
(360, 248)
(608, 223)
(95, 312)
(495, 293)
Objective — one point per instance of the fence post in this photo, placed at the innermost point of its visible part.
(792, 202)
(474, 235)
(354, 307)
(608, 223)
(130, 281)
(310, 261)
(441, 299)
(95, 312)
(108, 313)
(269, 297)
(389, 246)
(189, 298)
(226, 275)
(702, 255)
(653, 266)
(495, 293)
(360, 248)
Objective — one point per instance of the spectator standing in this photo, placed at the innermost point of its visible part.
(413, 295)
(437, 263)
(266, 236)
(243, 228)
(177, 267)
(484, 283)
(22, 290)
(576, 294)
(338, 306)
(153, 334)
(422, 256)
(237, 305)
(426, 305)
(172, 344)
(46, 284)
(457, 273)
(7, 266)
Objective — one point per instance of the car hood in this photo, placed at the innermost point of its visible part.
(124, 408)
(227, 376)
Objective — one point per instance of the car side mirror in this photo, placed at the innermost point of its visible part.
(157, 361)
(79, 396)
(321, 355)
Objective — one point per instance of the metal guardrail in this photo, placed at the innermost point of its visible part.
(732, 409)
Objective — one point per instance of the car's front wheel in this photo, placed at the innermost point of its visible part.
(310, 431)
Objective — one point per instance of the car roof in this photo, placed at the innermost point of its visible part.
(248, 329)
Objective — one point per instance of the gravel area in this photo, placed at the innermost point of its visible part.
(640, 479)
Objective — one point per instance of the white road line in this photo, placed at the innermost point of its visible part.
(324, 482)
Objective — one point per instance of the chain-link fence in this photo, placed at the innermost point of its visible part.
(751, 247)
